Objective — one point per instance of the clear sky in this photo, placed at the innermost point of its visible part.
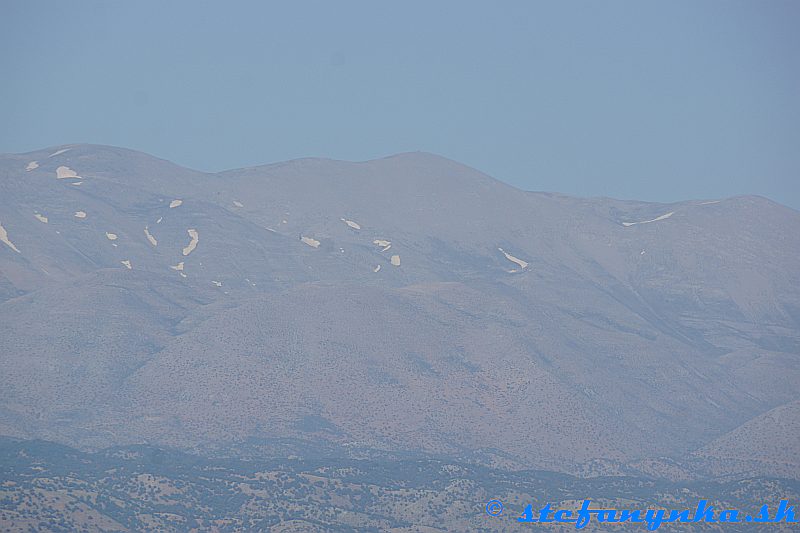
(632, 99)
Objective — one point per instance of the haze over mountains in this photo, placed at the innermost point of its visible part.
(398, 306)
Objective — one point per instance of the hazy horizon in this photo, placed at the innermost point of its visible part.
(631, 101)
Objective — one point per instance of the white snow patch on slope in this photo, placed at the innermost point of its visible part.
(178, 267)
(40, 217)
(522, 264)
(59, 152)
(395, 260)
(63, 172)
(383, 243)
(127, 263)
(314, 243)
(80, 214)
(377, 268)
(237, 203)
(111, 236)
(195, 237)
(159, 220)
(710, 202)
(32, 165)
(175, 203)
(4, 239)
(150, 237)
(662, 217)
(217, 283)
(350, 223)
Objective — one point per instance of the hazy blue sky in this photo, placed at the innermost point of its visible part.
(638, 99)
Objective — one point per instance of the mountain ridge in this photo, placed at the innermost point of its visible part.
(398, 155)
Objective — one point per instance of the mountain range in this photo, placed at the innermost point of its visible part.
(401, 306)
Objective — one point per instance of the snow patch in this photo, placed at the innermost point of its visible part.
(377, 268)
(59, 152)
(383, 243)
(350, 223)
(4, 239)
(150, 237)
(195, 237)
(127, 263)
(63, 172)
(40, 217)
(522, 264)
(662, 217)
(314, 243)
(395, 260)
(237, 203)
(159, 220)
(178, 267)
(32, 165)
(175, 203)
(111, 236)
(710, 202)
(80, 214)
(217, 283)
